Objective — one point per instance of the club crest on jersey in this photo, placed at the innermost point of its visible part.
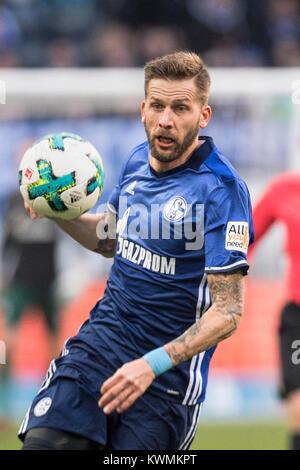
(42, 406)
(175, 209)
(237, 236)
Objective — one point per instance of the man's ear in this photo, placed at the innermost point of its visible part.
(205, 116)
(143, 111)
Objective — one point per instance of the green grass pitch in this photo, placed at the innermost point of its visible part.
(239, 436)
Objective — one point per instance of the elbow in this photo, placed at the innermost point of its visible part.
(106, 248)
(234, 316)
(110, 254)
(237, 317)
(106, 254)
(230, 323)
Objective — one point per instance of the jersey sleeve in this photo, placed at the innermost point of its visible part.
(114, 197)
(113, 200)
(228, 228)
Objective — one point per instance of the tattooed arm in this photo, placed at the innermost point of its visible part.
(218, 323)
(129, 382)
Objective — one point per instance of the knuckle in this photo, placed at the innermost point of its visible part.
(138, 386)
(131, 400)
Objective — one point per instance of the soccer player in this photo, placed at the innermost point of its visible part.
(280, 203)
(135, 375)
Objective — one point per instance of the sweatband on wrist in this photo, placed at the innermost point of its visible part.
(159, 361)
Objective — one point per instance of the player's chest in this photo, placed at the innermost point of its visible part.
(163, 214)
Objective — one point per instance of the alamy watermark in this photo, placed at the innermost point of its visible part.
(2, 353)
(2, 92)
(173, 220)
(296, 353)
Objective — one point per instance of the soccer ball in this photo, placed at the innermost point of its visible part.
(61, 176)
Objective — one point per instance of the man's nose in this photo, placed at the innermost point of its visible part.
(166, 118)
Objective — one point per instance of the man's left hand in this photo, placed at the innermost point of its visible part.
(123, 388)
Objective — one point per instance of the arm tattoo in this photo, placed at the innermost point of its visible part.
(218, 323)
(227, 293)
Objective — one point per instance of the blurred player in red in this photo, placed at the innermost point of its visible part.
(281, 203)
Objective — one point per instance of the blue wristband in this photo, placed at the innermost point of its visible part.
(159, 361)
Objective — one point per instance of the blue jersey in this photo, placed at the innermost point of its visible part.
(174, 228)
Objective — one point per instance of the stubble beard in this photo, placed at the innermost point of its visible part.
(179, 148)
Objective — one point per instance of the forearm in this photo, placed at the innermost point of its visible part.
(218, 323)
(85, 230)
(129, 382)
(205, 333)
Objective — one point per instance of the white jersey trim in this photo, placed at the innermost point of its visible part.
(192, 431)
(194, 388)
(225, 268)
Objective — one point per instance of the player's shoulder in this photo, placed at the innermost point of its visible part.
(222, 171)
(220, 166)
(137, 156)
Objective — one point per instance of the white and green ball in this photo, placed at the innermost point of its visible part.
(61, 176)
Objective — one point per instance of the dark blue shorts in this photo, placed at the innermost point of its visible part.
(68, 400)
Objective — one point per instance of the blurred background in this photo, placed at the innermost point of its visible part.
(76, 66)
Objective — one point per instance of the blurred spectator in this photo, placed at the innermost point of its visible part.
(10, 34)
(10, 38)
(220, 16)
(61, 52)
(283, 20)
(9, 58)
(286, 53)
(72, 18)
(114, 46)
(227, 53)
(159, 40)
(139, 13)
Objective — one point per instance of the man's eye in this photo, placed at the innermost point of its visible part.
(156, 105)
(181, 108)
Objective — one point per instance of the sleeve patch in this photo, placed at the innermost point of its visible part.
(237, 236)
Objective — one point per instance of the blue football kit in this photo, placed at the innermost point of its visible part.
(174, 228)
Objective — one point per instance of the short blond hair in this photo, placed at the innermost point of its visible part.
(180, 66)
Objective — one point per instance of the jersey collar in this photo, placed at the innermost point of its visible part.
(195, 160)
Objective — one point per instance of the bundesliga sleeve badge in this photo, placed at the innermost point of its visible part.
(237, 236)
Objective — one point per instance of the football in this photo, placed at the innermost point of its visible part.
(61, 176)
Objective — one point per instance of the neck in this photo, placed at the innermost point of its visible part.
(166, 166)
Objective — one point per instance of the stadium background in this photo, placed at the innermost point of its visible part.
(253, 51)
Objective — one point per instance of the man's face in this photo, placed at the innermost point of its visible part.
(172, 115)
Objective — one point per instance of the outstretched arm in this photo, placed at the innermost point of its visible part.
(96, 232)
(92, 232)
(220, 321)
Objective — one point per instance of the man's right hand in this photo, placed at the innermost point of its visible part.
(33, 215)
